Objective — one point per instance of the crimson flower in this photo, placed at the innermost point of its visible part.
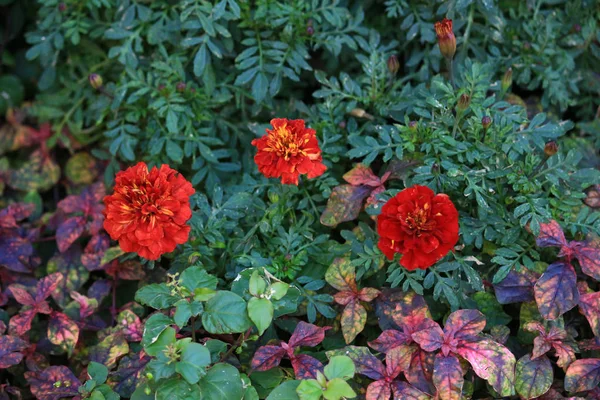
(420, 225)
(289, 150)
(148, 210)
(446, 39)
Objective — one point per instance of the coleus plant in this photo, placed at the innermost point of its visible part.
(331, 383)
(305, 366)
(341, 275)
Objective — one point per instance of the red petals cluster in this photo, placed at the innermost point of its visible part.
(148, 211)
(446, 38)
(289, 150)
(420, 225)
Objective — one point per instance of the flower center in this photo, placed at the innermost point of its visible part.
(285, 143)
(418, 221)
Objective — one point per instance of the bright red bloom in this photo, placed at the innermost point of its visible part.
(288, 150)
(148, 211)
(420, 225)
(446, 38)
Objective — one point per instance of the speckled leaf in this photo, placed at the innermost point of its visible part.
(81, 169)
(109, 350)
(368, 294)
(353, 320)
(493, 362)
(448, 377)
(583, 375)
(420, 371)
(100, 289)
(93, 254)
(404, 391)
(341, 275)
(365, 362)
(379, 390)
(131, 326)
(306, 367)
(10, 350)
(398, 360)
(130, 270)
(429, 335)
(267, 357)
(53, 383)
(362, 175)
(307, 334)
(517, 287)
(15, 251)
(69, 231)
(129, 374)
(588, 255)
(464, 324)
(39, 174)
(393, 306)
(589, 305)
(75, 275)
(551, 235)
(63, 332)
(389, 339)
(533, 378)
(556, 290)
(344, 204)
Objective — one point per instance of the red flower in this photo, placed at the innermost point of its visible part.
(420, 225)
(148, 211)
(287, 151)
(446, 39)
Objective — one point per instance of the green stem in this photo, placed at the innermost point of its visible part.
(451, 73)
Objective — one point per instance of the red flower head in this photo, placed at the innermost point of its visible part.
(446, 39)
(148, 211)
(420, 225)
(288, 150)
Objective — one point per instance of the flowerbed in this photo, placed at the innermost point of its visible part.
(299, 200)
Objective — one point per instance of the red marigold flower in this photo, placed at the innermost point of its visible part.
(148, 211)
(288, 150)
(446, 39)
(420, 225)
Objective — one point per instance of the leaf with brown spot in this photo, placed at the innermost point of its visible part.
(353, 320)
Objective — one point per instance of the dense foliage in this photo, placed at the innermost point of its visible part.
(256, 267)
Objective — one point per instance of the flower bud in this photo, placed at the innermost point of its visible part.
(486, 122)
(147, 391)
(464, 102)
(342, 124)
(412, 125)
(62, 7)
(393, 64)
(95, 81)
(551, 148)
(310, 30)
(507, 80)
(446, 39)
(435, 168)
(180, 87)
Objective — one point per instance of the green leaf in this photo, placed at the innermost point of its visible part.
(97, 372)
(226, 313)
(196, 277)
(257, 284)
(337, 389)
(156, 296)
(259, 87)
(184, 310)
(178, 389)
(260, 312)
(194, 358)
(309, 389)
(285, 391)
(222, 382)
(339, 367)
(279, 290)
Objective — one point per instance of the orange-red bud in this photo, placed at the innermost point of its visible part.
(446, 39)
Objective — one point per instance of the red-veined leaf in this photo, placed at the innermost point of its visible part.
(448, 377)
(551, 235)
(420, 371)
(47, 285)
(398, 360)
(307, 334)
(267, 357)
(94, 251)
(368, 294)
(69, 231)
(556, 290)
(379, 390)
(393, 306)
(306, 367)
(344, 298)
(20, 324)
(588, 255)
(21, 295)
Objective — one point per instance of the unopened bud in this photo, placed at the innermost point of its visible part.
(393, 64)
(577, 28)
(180, 87)
(310, 30)
(507, 80)
(446, 39)
(342, 124)
(360, 113)
(464, 102)
(486, 122)
(62, 7)
(95, 81)
(435, 169)
(147, 391)
(412, 125)
(551, 148)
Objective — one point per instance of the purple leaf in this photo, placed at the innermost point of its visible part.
(307, 334)
(404, 391)
(306, 367)
(448, 377)
(464, 324)
(533, 378)
(344, 204)
(551, 235)
(589, 304)
(429, 335)
(379, 390)
(556, 290)
(389, 339)
(583, 375)
(129, 374)
(10, 350)
(267, 357)
(588, 255)
(69, 231)
(517, 287)
(53, 383)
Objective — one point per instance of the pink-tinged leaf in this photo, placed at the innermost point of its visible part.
(420, 371)
(493, 362)
(130, 270)
(394, 306)
(75, 275)
(94, 251)
(362, 175)
(365, 363)
(594, 394)
(344, 204)
(343, 298)
(69, 231)
(20, 324)
(21, 295)
(556, 290)
(368, 294)
(307, 334)
(404, 391)
(535, 326)
(551, 235)
(11, 350)
(87, 306)
(398, 360)
(267, 357)
(47, 285)
(341, 275)
(517, 287)
(14, 213)
(533, 378)
(389, 339)
(448, 377)
(131, 325)
(53, 383)
(589, 305)
(429, 335)
(379, 390)
(464, 324)
(588, 255)
(129, 374)
(583, 375)
(110, 350)
(16, 251)
(63, 332)
(593, 197)
(565, 354)
(353, 320)
(100, 289)
(540, 347)
(306, 367)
